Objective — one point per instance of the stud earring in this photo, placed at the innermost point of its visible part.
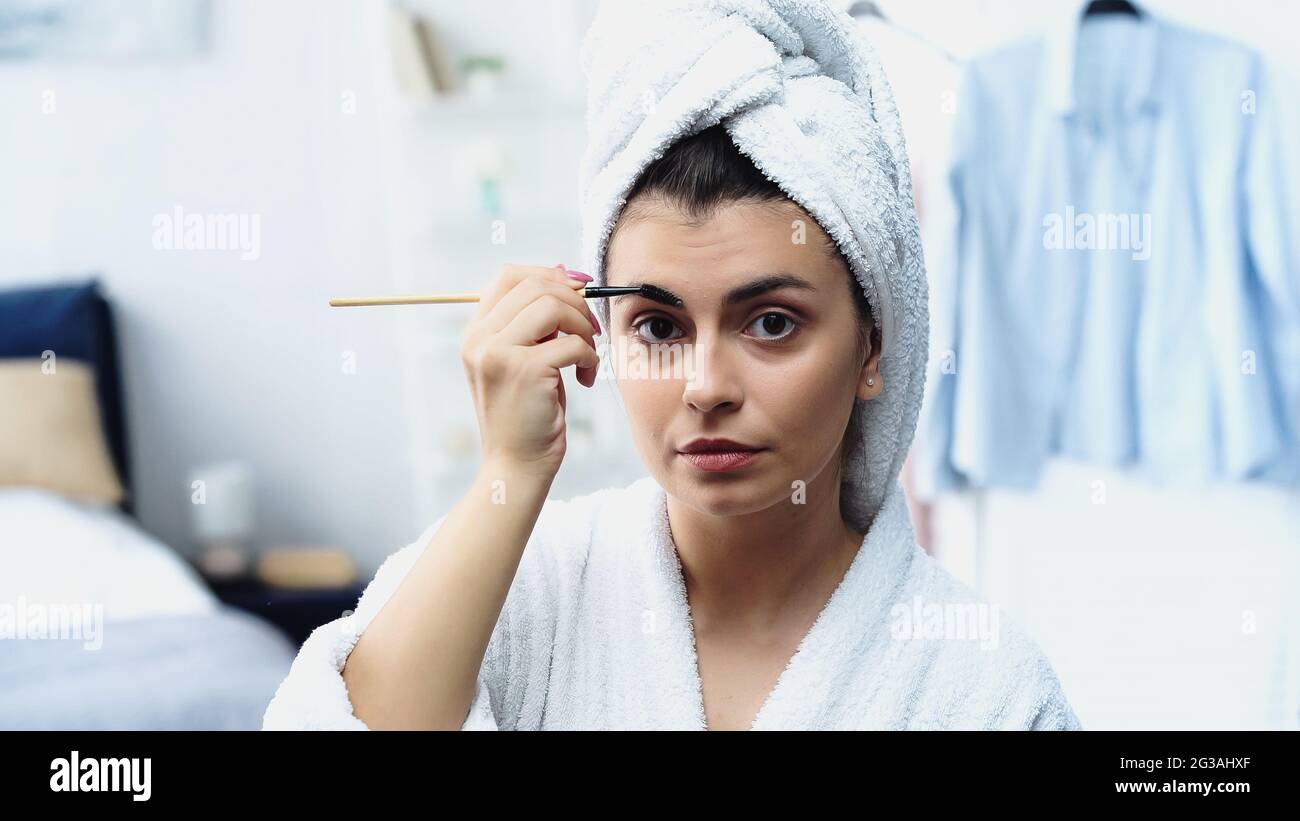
(871, 380)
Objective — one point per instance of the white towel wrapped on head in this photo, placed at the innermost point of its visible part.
(802, 94)
(596, 632)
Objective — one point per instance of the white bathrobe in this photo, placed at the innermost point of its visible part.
(596, 630)
(596, 634)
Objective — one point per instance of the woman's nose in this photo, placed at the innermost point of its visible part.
(711, 384)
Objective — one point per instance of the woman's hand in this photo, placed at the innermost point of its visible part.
(513, 353)
(416, 665)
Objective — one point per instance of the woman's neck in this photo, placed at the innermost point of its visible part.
(752, 571)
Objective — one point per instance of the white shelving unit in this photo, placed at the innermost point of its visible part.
(447, 232)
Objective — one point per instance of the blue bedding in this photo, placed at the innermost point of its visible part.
(209, 671)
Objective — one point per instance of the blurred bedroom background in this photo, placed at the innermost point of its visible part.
(187, 182)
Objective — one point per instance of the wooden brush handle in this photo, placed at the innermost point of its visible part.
(410, 299)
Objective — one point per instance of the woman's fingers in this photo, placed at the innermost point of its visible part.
(527, 306)
(507, 278)
(564, 351)
(530, 290)
(543, 316)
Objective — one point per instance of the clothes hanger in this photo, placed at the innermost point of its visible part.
(868, 9)
(1097, 7)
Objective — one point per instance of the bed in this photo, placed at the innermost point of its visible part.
(103, 626)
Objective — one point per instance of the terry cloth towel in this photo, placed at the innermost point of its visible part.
(803, 95)
(596, 633)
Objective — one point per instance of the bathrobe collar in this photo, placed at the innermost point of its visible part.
(854, 619)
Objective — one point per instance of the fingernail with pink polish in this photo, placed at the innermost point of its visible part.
(578, 275)
(595, 325)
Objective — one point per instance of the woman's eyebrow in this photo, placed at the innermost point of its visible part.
(764, 284)
(667, 298)
(748, 291)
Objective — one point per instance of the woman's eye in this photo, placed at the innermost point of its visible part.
(773, 326)
(655, 329)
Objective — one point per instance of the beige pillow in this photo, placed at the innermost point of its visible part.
(50, 433)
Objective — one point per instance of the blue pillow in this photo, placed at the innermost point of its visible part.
(74, 321)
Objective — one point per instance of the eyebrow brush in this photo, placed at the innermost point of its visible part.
(648, 291)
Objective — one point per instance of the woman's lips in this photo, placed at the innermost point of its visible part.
(721, 460)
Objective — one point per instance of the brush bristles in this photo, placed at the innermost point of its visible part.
(660, 295)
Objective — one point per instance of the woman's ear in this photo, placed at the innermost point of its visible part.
(870, 382)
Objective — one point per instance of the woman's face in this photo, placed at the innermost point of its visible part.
(763, 351)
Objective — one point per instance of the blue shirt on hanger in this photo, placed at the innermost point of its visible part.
(1121, 284)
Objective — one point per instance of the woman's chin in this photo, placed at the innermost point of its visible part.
(728, 493)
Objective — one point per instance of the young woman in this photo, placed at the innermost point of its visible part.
(763, 575)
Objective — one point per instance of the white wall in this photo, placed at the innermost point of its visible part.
(227, 358)
(240, 359)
